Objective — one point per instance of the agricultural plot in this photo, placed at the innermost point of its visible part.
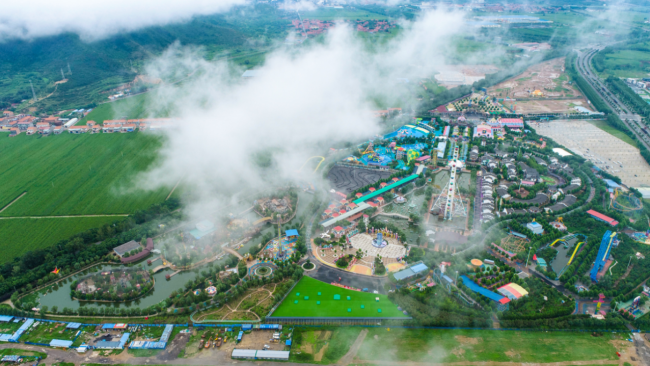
(630, 63)
(437, 346)
(130, 108)
(45, 332)
(541, 88)
(76, 174)
(304, 301)
(18, 236)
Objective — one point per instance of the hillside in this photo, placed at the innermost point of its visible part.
(97, 67)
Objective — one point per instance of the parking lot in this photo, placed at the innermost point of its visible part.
(604, 150)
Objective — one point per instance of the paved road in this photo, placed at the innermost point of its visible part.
(631, 120)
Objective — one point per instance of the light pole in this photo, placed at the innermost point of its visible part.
(628, 263)
(456, 277)
(529, 248)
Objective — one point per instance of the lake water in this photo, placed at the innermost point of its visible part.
(163, 288)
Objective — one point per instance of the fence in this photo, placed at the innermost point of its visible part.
(500, 329)
(37, 344)
(332, 321)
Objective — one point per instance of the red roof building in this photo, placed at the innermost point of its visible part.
(359, 195)
(372, 189)
(600, 217)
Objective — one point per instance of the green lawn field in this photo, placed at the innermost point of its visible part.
(614, 132)
(89, 174)
(131, 108)
(429, 345)
(329, 307)
(18, 236)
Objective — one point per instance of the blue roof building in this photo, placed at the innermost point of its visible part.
(292, 232)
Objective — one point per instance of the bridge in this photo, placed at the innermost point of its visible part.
(233, 253)
(262, 221)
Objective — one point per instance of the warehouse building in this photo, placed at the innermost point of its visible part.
(251, 354)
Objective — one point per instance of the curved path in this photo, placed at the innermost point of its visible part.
(236, 309)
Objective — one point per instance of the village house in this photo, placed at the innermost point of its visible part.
(78, 129)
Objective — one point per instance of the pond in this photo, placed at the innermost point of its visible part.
(162, 289)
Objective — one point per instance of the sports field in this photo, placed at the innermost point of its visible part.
(295, 304)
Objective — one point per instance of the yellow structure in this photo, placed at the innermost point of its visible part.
(537, 93)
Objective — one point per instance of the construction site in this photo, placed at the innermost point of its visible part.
(542, 88)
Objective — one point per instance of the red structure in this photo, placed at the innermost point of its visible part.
(142, 254)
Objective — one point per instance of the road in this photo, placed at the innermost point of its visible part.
(631, 120)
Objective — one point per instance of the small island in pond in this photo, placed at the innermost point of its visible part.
(113, 285)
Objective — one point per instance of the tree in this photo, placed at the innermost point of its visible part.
(242, 269)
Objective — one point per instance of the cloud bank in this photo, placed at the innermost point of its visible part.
(302, 101)
(97, 19)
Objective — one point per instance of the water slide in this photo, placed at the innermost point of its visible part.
(574, 253)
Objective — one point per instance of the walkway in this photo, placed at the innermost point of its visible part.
(226, 249)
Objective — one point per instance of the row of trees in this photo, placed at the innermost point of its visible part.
(82, 249)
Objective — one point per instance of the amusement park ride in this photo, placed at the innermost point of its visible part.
(447, 203)
(635, 203)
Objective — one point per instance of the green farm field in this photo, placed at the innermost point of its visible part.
(429, 345)
(76, 174)
(131, 108)
(347, 14)
(329, 307)
(18, 236)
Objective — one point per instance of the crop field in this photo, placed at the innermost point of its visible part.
(334, 14)
(295, 304)
(18, 236)
(130, 108)
(76, 174)
(627, 63)
(67, 176)
(438, 346)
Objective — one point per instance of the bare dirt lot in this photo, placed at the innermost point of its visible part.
(604, 150)
(541, 88)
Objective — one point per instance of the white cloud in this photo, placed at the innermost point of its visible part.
(301, 103)
(96, 19)
(302, 5)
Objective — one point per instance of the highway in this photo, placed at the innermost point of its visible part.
(631, 120)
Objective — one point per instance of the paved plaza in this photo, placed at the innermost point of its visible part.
(364, 242)
(601, 148)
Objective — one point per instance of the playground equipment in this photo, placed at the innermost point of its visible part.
(369, 150)
(574, 253)
(560, 219)
(603, 254)
(601, 299)
(322, 159)
(447, 203)
(635, 203)
(412, 155)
